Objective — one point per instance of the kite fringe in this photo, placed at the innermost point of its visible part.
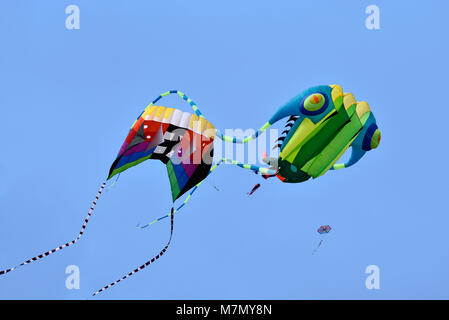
(68, 244)
(146, 263)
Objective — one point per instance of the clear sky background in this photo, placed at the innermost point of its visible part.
(69, 97)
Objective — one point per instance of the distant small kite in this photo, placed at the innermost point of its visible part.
(322, 230)
(257, 186)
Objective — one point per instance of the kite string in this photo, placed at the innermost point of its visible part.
(199, 114)
(262, 170)
(184, 202)
(319, 244)
(146, 263)
(86, 220)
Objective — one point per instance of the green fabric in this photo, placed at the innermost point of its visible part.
(326, 131)
(299, 136)
(365, 117)
(375, 139)
(128, 165)
(339, 166)
(175, 191)
(338, 103)
(285, 170)
(335, 148)
(290, 134)
(350, 111)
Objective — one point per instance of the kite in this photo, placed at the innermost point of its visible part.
(323, 122)
(322, 230)
(257, 186)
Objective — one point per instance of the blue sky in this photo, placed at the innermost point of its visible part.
(68, 98)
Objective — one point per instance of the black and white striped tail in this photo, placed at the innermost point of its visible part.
(68, 243)
(146, 263)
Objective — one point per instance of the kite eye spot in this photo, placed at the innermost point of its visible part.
(145, 126)
(375, 140)
(180, 152)
(314, 104)
(372, 138)
(148, 137)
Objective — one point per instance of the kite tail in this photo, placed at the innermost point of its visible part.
(319, 244)
(146, 263)
(199, 114)
(68, 243)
